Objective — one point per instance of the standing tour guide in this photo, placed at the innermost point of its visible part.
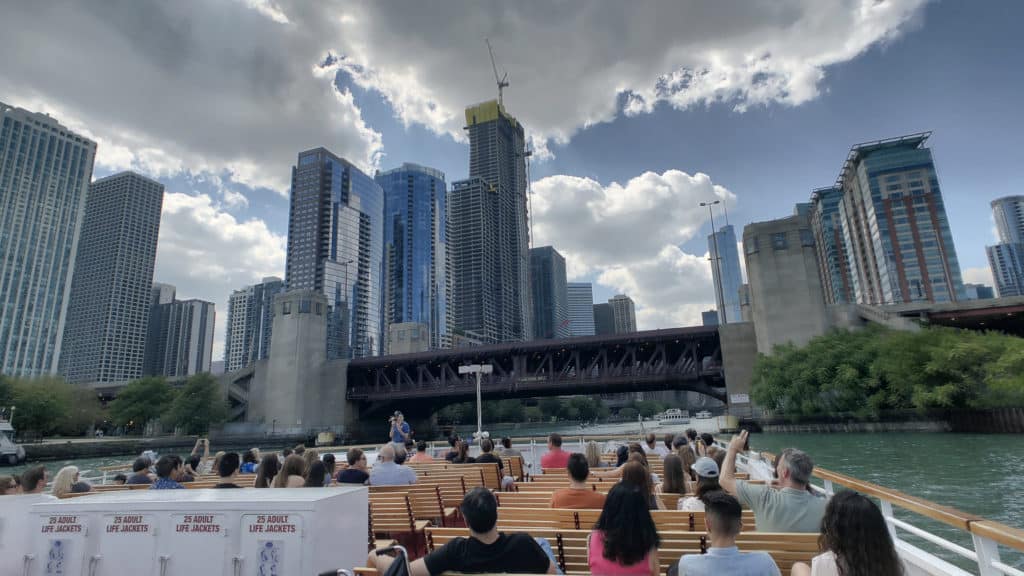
(400, 431)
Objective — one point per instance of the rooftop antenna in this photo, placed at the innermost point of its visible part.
(502, 81)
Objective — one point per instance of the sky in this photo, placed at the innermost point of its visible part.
(636, 112)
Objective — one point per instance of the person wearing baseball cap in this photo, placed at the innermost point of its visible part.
(707, 481)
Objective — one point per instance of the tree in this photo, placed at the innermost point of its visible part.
(41, 404)
(199, 405)
(533, 414)
(141, 401)
(510, 411)
(85, 412)
(648, 408)
(628, 413)
(550, 406)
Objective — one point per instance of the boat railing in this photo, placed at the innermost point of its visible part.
(987, 536)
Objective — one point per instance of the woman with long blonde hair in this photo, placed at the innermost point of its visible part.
(66, 482)
(292, 474)
(593, 454)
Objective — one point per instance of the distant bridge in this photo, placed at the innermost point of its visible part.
(674, 359)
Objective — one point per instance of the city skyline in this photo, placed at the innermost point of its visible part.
(225, 209)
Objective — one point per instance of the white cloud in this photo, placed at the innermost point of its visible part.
(628, 237)
(979, 275)
(571, 65)
(206, 253)
(199, 86)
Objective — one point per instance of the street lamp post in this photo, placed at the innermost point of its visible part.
(478, 369)
(717, 261)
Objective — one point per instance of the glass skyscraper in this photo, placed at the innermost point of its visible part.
(580, 297)
(105, 336)
(336, 247)
(731, 277)
(44, 182)
(250, 319)
(895, 232)
(624, 313)
(828, 237)
(1007, 257)
(550, 298)
(416, 266)
(489, 240)
(180, 334)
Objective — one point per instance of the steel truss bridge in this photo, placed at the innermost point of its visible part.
(673, 359)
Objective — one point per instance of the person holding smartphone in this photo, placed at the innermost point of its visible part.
(400, 431)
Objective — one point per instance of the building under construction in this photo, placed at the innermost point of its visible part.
(489, 241)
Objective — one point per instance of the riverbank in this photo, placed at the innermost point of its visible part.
(74, 448)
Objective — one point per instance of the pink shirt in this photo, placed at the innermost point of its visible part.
(601, 566)
(556, 458)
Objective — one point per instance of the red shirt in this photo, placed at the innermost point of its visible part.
(555, 458)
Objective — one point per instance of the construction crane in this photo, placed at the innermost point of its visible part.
(502, 81)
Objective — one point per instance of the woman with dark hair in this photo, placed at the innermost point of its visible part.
(250, 458)
(624, 540)
(621, 455)
(688, 458)
(292, 474)
(329, 466)
(315, 475)
(266, 471)
(854, 539)
(675, 480)
(462, 453)
(636, 474)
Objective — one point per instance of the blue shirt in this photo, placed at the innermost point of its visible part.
(391, 474)
(396, 437)
(728, 561)
(248, 467)
(165, 484)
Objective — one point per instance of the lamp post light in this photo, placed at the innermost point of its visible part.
(478, 369)
(717, 261)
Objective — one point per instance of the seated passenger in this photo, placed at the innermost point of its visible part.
(66, 482)
(487, 456)
(635, 474)
(555, 457)
(227, 471)
(169, 469)
(579, 495)
(855, 541)
(462, 453)
(707, 482)
(250, 460)
(507, 451)
(675, 479)
(624, 540)
(387, 473)
(421, 455)
(593, 453)
(790, 507)
(486, 549)
(724, 520)
(356, 471)
(140, 472)
(292, 474)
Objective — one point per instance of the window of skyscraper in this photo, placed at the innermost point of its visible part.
(779, 241)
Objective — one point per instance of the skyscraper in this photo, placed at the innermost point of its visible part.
(580, 297)
(728, 301)
(550, 297)
(1006, 259)
(624, 313)
(44, 181)
(250, 320)
(336, 247)
(488, 221)
(105, 334)
(416, 266)
(895, 231)
(180, 341)
(604, 319)
(828, 237)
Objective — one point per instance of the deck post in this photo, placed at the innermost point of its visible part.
(988, 552)
(887, 513)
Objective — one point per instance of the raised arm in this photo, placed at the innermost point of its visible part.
(727, 476)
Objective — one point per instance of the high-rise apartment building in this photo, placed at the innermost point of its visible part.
(44, 181)
(1007, 263)
(895, 232)
(336, 247)
(624, 313)
(550, 296)
(180, 340)
(726, 273)
(827, 228)
(489, 239)
(416, 265)
(709, 318)
(604, 319)
(580, 298)
(249, 324)
(108, 313)
(1006, 259)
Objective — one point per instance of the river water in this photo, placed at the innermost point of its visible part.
(979, 474)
